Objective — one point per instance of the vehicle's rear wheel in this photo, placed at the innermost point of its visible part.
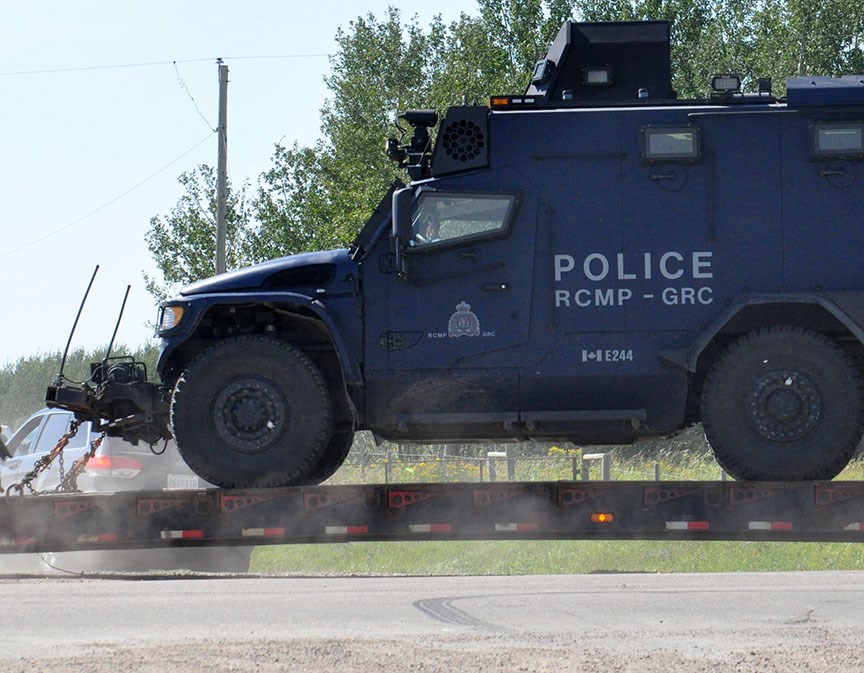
(783, 403)
(252, 411)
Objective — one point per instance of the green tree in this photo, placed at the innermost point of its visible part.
(183, 243)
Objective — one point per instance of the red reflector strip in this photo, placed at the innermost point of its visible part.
(855, 526)
(16, 541)
(516, 527)
(687, 525)
(182, 534)
(770, 525)
(429, 528)
(346, 530)
(263, 532)
(101, 537)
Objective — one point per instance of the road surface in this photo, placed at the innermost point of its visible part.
(588, 623)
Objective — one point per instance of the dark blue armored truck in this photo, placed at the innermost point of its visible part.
(594, 260)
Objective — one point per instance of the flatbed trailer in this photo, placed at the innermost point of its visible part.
(561, 510)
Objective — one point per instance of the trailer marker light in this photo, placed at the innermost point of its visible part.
(602, 517)
(430, 528)
(263, 532)
(195, 533)
(346, 530)
(770, 525)
(516, 527)
(687, 525)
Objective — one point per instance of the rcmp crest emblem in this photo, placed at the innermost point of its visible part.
(463, 322)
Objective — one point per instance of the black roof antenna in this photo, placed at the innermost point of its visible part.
(117, 326)
(75, 324)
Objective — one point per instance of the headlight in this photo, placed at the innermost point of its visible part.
(169, 317)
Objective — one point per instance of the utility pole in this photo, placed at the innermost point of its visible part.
(222, 168)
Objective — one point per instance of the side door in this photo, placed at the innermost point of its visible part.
(448, 334)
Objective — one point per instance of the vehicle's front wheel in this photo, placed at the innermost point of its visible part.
(252, 411)
(335, 454)
(783, 403)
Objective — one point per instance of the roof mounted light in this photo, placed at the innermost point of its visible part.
(726, 84)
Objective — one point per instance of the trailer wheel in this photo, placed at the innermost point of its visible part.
(783, 403)
(252, 411)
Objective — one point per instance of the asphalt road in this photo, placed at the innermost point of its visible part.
(641, 623)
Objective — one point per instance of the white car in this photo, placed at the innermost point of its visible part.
(116, 466)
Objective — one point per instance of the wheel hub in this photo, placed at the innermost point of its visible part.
(250, 415)
(784, 405)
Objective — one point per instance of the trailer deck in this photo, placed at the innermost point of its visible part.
(666, 510)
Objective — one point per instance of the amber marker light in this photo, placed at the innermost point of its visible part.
(170, 317)
(602, 517)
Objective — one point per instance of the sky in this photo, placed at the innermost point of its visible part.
(104, 104)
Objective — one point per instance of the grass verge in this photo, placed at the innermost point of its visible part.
(554, 557)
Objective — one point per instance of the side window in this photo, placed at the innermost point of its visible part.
(56, 425)
(837, 140)
(440, 217)
(671, 143)
(25, 438)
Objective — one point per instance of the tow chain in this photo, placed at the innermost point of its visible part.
(68, 482)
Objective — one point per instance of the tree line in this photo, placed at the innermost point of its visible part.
(23, 382)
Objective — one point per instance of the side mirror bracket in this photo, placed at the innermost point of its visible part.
(403, 231)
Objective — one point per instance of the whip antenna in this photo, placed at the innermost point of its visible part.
(117, 326)
(75, 324)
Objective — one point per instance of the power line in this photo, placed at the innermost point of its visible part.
(183, 85)
(108, 203)
(148, 64)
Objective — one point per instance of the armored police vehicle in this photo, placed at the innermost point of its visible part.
(594, 260)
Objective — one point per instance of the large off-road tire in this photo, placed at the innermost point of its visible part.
(334, 455)
(252, 411)
(783, 403)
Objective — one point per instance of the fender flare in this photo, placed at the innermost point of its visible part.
(317, 306)
(837, 304)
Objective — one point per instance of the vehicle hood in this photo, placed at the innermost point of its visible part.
(307, 270)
